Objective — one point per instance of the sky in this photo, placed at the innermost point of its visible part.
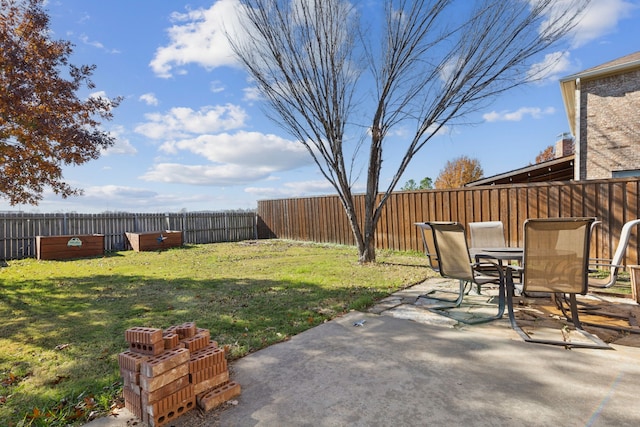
(192, 134)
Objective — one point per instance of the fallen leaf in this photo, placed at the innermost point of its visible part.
(35, 414)
(9, 380)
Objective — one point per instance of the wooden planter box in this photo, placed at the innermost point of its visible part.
(71, 246)
(154, 240)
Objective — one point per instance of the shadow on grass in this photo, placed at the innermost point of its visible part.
(60, 337)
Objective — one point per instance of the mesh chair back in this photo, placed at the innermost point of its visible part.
(453, 252)
(556, 255)
(487, 234)
(430, 247)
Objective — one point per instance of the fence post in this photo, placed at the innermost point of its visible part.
(184, 227)
(226, 226)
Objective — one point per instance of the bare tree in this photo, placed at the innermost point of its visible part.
(340, 93)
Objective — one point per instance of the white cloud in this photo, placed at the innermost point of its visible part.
(198, 37)
(293, 189)
(117, 192)
(122, 145)
(518, 115)
(149, 99)
(213, 175)
(130, 199)
(601, 17)
(235, 159)
(85, 39)
(182, 122)
(551, 67)
(249, 149)
(230, 158)
(217, 86)
(252, 94)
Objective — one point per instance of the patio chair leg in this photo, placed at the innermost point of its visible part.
(449, 303)
(595, 341)
(501, 306)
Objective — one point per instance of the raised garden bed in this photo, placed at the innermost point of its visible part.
(69, 246)
(154, 240)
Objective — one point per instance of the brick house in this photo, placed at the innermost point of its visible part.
(603, 108)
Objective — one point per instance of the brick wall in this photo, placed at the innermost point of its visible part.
(610, 125)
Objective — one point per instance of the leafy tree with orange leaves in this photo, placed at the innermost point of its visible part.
(458, 172)
(546, 154)
(44, 125)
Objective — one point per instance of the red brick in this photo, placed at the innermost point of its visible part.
(170, 414)
(196, 342)
(167, 390)
(154, 383)
(202, 331)
(148, 349)
(156, 365)
(139, 335)
(131, 361)
(129, 377)
(205, 358)
(208, 372)
(132, 402)
(136, 389)
(187, 330)
(165, 404)
(171, 340)
(211, 383)
(218, 396)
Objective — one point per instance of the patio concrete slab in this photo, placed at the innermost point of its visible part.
(406, 366)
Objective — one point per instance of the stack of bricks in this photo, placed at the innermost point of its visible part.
(169, 372)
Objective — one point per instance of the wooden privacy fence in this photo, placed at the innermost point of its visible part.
(322, 219)
(18, 231)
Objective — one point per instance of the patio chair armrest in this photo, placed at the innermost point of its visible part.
(487, 261)
(604, 264)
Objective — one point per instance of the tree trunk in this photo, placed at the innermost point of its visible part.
(368, 249)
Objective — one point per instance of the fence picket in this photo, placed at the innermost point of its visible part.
(612, 201)
(19, 230)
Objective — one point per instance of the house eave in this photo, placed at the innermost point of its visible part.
(533, 173)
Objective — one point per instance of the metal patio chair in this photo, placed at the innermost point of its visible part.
(556, 261)
(455, 262)
(432, 256)
(429, 246)
(486, 234)
(614, 264)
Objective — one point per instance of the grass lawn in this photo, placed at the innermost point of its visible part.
(62, 322)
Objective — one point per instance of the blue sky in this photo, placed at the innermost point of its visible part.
(191, 134)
